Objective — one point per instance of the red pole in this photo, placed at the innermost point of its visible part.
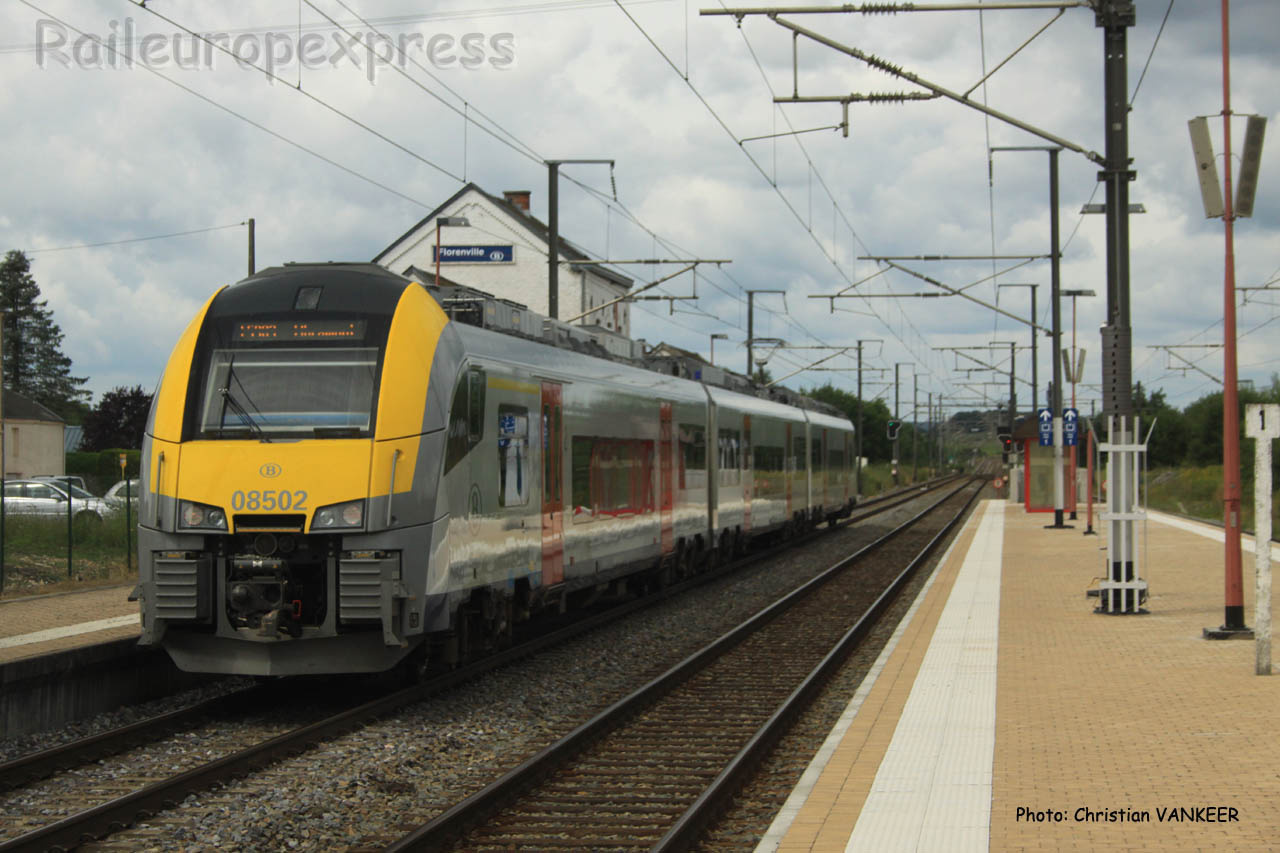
(1231, 492)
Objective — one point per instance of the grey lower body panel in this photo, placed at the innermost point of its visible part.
(362, 651)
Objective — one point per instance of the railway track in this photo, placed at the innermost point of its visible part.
(123, 801)
(654, 769)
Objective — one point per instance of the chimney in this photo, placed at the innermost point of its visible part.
(519, 198)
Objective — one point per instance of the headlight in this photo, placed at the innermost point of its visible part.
(343, 516)
(201, 516)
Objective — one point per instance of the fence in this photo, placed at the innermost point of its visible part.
(46, 543)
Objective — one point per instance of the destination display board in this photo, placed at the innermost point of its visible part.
(299, 330)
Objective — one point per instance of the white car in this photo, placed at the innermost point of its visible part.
(40, 497)
(114, 498)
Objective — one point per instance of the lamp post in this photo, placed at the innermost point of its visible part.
(442, 221)
(1074, 368)
(718, 336)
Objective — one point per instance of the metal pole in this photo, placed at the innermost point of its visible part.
(1035, 347)
(1055, 288)
(1115, 17)
(751, 328)
(1074, 463)
(1231, 492)
(1013, 391)
(933, 427)
(252, 264)
(553, 239)
(896, 418)
(1088, 531)
(857, 480)
(915, 405)
(69, 554)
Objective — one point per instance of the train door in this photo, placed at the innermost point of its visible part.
(552, 487)
(790, 474)
(747, 483)
(822, 472)
(666, 478)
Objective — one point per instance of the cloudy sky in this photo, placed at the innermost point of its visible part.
(337, 156)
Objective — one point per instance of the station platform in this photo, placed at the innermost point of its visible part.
(1005, 714)
(43, 624)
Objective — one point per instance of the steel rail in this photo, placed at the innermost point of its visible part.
(34, 766)
(707, 808)
(123, 811)
(440, 832)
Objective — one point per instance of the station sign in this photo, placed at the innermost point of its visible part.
(1044, 417)
(474, 254)
(1070, 427)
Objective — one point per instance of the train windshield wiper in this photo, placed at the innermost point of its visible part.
(229, 401)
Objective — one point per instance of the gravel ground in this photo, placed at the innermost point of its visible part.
(366, 788)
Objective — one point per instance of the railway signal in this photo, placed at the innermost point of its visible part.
(892, 429)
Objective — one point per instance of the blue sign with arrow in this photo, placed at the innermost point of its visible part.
(1070, 427)
(1045, 417)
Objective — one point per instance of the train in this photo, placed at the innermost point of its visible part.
(346, 470)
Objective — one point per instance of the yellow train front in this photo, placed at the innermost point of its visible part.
(292, 411)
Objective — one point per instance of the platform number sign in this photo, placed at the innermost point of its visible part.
(1070, 427)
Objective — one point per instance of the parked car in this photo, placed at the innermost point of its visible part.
(45, 498)
(114, 498)
(61, 480)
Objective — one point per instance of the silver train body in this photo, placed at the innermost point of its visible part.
(478, 478)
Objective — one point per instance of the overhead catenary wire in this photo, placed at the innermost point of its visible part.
(141, 4)
(760, 168)
(213, 103)
(138, 239)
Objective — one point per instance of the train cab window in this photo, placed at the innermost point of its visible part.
(513, 456)
(466, 417)
(475, 405)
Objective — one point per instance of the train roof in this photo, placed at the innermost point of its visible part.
(533, 339)
(345, 287)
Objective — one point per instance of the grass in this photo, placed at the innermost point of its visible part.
(1198, 492)
(35, 555)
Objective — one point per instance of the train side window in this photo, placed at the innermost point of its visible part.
(583, 448)
(693, 456)
(513, 456)
(730, 457)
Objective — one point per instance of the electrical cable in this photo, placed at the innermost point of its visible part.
(138, 239)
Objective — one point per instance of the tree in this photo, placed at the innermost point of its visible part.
(876, 445)
(118, 420)
(34, 364)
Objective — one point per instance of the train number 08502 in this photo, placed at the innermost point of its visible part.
(268, 500)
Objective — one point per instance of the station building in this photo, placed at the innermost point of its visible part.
(502, 250)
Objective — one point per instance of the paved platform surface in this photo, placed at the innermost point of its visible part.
(1007, 715)
(50, 623)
